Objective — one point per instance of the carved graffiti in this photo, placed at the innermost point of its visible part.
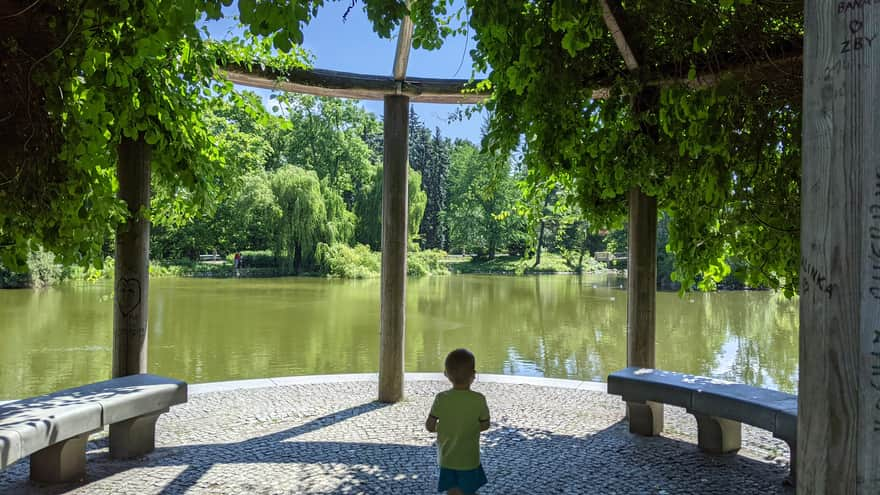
(858, 39)
(844, 7)
(875, 378)
(839, 66)
(128, 296)
(811, 276)
(873, 256)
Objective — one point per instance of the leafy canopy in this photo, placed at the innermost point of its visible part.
(723, 158)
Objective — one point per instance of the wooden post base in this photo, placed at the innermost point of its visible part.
(645, 418)
(718, 435)
(60, 463)
(134, 437)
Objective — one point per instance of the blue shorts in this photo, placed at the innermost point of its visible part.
(466, 481)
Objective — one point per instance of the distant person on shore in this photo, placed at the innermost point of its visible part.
(236, 262)
(458, 415)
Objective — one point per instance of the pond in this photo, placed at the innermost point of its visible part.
(204, 330)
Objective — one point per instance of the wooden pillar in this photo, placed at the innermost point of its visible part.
(132, 277)
(645, 418)
(394, 244)
(839, 389)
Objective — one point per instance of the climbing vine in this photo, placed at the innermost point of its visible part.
(85, 75)
(720, 153)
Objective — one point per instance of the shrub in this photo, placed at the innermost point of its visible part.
(341, 260)
(91, 274)
(428, 262)
(12, 280)
(257, 259)
(158, 270)
(43, 270)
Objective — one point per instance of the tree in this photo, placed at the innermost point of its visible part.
(368, 209)
(429, 156)
(326, 137)
(244, 136)
(482, 195)
(436, 236)
(84, 78)
(303, 221)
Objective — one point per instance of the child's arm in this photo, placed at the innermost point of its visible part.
(484, 416)
(431, 424)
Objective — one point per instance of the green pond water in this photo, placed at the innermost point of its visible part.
(204, 330)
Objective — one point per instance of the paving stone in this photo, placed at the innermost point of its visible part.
(333, 438)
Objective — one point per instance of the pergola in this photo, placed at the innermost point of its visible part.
(839, 390)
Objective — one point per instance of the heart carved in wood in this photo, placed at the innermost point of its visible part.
(128, 295)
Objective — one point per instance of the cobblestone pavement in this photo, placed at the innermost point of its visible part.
(333, 438)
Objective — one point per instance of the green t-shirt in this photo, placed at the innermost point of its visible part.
(458, 414)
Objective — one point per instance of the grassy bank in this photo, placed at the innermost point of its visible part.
(514, 265)
(337, 261)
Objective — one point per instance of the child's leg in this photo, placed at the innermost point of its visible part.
(454, 491)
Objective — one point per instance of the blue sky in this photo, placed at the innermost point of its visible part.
(352, 46)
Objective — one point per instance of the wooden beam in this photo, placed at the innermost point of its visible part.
(839, 387)
(619, 38)
(404, 43)
(395, 210)
(337, 84)
(320, 82)
(132, 265)
(644, 418)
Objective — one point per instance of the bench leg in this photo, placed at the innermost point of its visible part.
(60, 463)
(792, 464)
(718, 435)
(645, 418)
(134, 437)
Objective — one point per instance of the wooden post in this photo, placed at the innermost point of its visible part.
(132, 276)
(394, 244)
(838, 446)
(645, 418)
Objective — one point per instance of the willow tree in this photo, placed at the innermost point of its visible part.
(707, 122)
(303, 221)
(368, 208)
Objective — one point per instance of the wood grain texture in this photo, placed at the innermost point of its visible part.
(609, 7)
(132, 265)
(839, 393)
(404, 43)
(357, 86)
(641, 280)
(394, 243)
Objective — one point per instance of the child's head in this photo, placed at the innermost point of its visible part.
(460, 367)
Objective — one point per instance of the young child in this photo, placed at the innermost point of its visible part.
(458, 416)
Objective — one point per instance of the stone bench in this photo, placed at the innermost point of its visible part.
(720, 407)
(53, 429)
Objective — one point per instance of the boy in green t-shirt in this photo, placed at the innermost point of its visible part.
(458, 416)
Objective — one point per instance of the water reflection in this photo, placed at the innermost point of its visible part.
(556, 326)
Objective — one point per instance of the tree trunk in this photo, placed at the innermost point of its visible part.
(297, 258)
(541, 227)
(583, 250)
(540, 242)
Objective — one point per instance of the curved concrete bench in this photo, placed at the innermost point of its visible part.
(720, 407)
(53, 429)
